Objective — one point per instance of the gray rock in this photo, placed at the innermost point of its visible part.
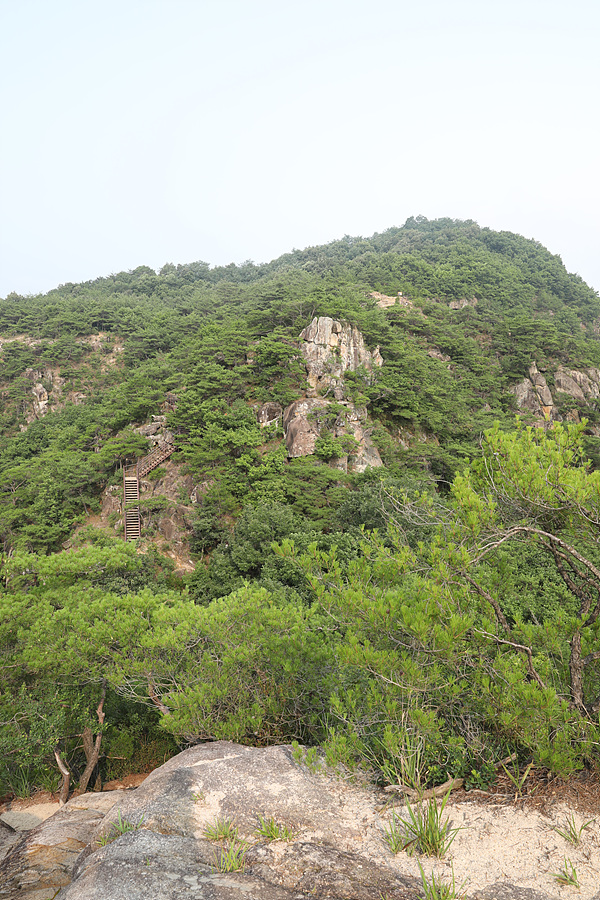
(527, 397)
(268, 413)
(331, 348)
(303, 422)
(335, 850)
(8, 837)
(41, 860)
(321, 870)
(568, 385)
(142, 865)
(242, 782)
(169, 857)
(300, 425)
(503, 890)
(464, 301)
(582, 385)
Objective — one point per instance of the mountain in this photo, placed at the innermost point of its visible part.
(281, 413)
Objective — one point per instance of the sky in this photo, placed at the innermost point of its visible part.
(142, 132)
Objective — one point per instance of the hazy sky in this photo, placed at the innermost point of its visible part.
(141, 132)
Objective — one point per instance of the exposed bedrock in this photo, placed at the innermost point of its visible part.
(331, 348)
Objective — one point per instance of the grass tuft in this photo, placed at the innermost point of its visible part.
(571, 832)
(567, 874)
(272, 831)
(517, 780)
(221, 830)
(232, 857)
(436, 889)
(424, 831)
(121, 826)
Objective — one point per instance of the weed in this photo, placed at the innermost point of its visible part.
(232, 857)
(395, 834)
(20, 783)
(436, 889)
(571, 832)
(518, 780)
(272, 831)
(121, 826)
(199, 796)
(399, 758)
(221, 830)
(307, 756)
(49, 780)
(567, 874)
(423, 830)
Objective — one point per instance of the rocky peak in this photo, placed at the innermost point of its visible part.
(331, 348)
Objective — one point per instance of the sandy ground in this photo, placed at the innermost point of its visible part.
(504, 843)
(23, 815)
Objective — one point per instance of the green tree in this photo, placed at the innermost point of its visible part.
(536, 486)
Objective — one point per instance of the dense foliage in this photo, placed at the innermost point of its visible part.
(442, 609)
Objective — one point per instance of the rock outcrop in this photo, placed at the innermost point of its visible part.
(41, 861)
(152, 843)
(385, 302)
(534, 396)
(463, 302)
(306, 420)
(331, 348)
(584, 386)
(268, 413)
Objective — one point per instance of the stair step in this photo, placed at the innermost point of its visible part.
(131, 488)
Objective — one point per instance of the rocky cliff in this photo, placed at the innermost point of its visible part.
(533, 394)
(330, 349)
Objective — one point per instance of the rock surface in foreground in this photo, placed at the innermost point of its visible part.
(336, 849)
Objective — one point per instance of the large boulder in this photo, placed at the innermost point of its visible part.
(42, 859)
(167, 854)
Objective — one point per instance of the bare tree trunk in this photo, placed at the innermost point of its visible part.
(92, 748)
(66, 778)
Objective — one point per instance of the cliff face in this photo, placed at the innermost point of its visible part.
(533, 394)
(330, 349)
(307, 420)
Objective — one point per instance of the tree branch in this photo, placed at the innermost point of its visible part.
(524, 649)
(66, 778)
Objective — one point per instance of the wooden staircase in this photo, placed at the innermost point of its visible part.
(131, 489)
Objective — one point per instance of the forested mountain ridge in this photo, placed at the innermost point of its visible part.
(230, 334)
(472, 326)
